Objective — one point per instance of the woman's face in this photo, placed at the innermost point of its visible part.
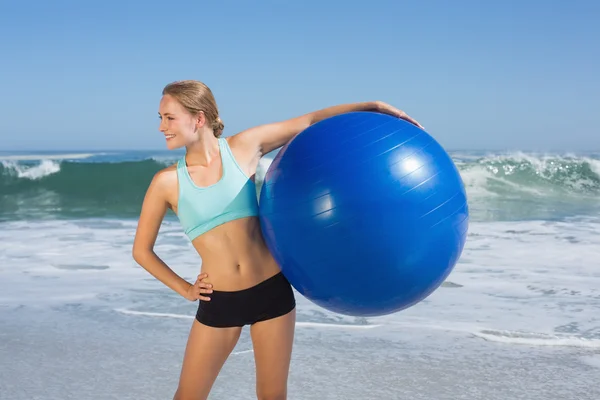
(177, 124)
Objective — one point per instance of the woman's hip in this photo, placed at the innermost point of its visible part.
(270, 298)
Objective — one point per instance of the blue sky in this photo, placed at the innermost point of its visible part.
(478, 75)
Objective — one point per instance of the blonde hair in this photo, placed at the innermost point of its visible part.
(196, 97)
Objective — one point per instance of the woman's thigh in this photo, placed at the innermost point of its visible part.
(206, 351)
(272, 342)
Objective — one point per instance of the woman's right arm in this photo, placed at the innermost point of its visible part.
(154, 208)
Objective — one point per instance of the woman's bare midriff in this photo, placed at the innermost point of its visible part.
(235, 255)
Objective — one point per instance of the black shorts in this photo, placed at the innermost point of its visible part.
(270, 298)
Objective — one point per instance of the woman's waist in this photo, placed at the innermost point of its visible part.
(229, 272)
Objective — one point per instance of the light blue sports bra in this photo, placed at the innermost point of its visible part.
(200, 209)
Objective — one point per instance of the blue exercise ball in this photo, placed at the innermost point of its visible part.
(365, 213)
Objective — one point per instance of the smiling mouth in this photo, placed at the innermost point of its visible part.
(169, 137)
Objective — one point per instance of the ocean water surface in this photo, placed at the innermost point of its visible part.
(518, 317)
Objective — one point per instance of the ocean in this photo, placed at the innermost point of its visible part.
(518, 318)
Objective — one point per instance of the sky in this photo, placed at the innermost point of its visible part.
(502, 75)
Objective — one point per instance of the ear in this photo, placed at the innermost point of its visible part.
(200, 119)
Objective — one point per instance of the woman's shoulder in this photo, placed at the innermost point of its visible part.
(241, 145)
(165, 179)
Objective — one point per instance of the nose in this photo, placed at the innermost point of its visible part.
(162, 126)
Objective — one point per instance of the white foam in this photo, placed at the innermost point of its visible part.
(529, 276)
(475, 180)
(165, 160)
(337, 326)
(457, 156)
(478, 177)
(44, 168)
(592, 361)
(154, 314)
(36, 157)
(300, 323)
(235, 353)
(486, 174)
(56, 297)
(262, 168)
(595, 165)
(537, 339)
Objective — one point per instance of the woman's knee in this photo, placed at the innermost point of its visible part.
(271, 393)
(182, 395)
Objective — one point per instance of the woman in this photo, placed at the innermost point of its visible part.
(211, 190)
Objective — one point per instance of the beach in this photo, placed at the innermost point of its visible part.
(516, 319)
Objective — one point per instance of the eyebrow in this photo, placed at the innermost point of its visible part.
(166, 113)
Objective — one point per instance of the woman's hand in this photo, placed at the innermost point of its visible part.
(391, 110)
(201, 285)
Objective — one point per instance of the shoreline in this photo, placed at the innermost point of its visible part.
(82, 352)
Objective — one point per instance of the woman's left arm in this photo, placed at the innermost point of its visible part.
(268, 137)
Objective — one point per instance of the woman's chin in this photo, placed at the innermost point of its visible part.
(173, 144)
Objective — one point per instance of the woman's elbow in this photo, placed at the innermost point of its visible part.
(140, 253)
